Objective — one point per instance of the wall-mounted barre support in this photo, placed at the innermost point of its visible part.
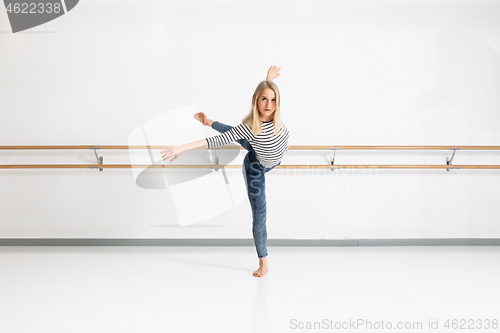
(100, 165)
(448, 161)
(332, 161)
(216, 159)
(217, 166)
(99, 159)
(289, 148)
(238, 166)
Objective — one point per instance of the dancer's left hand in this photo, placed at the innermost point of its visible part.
(170, 151)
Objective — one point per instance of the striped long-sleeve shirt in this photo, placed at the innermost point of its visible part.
(268, 147)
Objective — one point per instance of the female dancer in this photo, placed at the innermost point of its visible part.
(265, 137)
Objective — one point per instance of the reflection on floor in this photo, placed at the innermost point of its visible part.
(211, 289)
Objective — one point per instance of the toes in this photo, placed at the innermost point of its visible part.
(260, 272)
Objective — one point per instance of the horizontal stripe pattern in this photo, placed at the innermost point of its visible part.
(268, 147)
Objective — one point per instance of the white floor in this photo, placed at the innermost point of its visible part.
(211, 289)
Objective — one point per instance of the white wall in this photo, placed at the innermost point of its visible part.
(354, 72)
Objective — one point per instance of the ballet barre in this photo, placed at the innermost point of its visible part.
(236, 166)
(239, 147)
(100, 165)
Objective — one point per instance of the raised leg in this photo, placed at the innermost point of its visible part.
(220, 127)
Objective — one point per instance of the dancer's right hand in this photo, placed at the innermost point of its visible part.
(170, 151)
(273, 73)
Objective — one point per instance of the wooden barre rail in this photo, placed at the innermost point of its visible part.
(234, 166)
(290, 147)
(296, 166)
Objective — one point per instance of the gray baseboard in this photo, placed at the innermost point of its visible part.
(248, 242)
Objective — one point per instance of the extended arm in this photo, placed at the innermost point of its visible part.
(200, 144)
(177, 151)
(236, 133)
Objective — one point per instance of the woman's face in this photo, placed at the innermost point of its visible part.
(267, 104)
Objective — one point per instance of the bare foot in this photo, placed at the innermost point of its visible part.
(202, 118)
(262, 268)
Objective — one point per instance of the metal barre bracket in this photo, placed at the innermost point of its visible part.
(449, 160)
(99, 159)
(332, 160)
(216, 160)
(217, 167)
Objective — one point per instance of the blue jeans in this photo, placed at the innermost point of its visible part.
(255, 182)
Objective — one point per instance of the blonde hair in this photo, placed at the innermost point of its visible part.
(252, 120)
